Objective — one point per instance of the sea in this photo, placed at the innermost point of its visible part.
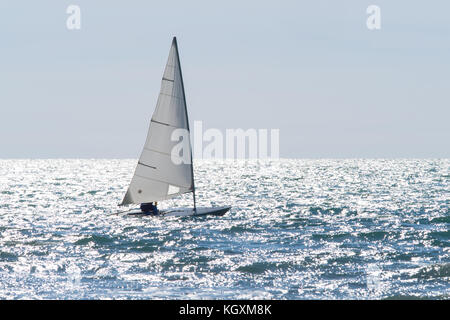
(298, 229)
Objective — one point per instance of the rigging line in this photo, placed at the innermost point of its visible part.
(116, 213)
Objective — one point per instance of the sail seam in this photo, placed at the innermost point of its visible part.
(165, 124)
(173, 184)
(146, 165)
(172, 96)
(166, 154)
(173, 80)
(163, 153)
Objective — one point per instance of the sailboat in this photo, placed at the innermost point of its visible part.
(161, 173)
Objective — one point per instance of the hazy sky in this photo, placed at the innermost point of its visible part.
(310, 68)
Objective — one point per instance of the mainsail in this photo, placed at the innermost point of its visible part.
(157, 176)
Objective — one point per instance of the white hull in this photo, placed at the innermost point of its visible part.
(186, 212)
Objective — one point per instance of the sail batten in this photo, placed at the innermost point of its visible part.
(157, 177)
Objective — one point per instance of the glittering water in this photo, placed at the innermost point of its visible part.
(298, 229)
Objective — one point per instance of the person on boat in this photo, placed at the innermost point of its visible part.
(149, 208)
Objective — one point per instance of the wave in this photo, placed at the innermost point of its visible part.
(262, 267)
(332, 211)
(96, 239)
(433, 272)
(445, 219)
(8, 256)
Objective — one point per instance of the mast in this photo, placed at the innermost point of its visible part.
(187, 120)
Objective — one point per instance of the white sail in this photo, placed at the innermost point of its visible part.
(157, 176)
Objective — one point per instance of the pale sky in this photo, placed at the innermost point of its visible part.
(309, 68)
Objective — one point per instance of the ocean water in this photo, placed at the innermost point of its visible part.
(298, 229)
